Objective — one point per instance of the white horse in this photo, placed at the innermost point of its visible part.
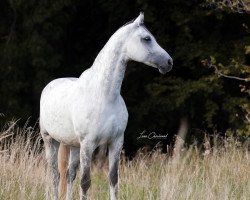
(86, 112)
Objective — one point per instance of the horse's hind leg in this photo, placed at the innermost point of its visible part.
(51, 150)
(74, 161)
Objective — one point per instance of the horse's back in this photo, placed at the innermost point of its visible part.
(55, 116)
(56, 83)
(56, 88)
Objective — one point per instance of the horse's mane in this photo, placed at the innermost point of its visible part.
(130, 22)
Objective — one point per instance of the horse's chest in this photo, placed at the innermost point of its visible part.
(108, 126)
(103, 122)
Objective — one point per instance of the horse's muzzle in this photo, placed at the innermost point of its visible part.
(166, 67)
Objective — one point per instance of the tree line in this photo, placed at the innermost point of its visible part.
(44, 40)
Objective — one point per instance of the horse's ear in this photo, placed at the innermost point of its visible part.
(140, 19)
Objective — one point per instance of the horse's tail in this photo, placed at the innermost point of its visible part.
(63, 159)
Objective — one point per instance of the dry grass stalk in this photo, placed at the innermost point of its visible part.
(207, 145)
(180, 138)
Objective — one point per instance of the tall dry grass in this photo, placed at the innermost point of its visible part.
(224, 173)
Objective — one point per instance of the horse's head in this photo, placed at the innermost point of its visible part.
(141, 46)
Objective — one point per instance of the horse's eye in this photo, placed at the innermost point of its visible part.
(147, 38)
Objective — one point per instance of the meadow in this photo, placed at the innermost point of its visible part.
(221, 173)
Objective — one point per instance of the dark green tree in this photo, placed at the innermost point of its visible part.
(41, 41)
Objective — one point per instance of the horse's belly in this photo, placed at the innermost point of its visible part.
(59, 126)
(61, 130)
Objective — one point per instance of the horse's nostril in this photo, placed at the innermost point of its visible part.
(170, 62)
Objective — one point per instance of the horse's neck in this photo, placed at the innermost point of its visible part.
(108, 69)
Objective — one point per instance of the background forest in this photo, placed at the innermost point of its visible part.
(208, 40)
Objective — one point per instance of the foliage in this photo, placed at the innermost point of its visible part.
(240, 6)
(238, 69)
(44, 40)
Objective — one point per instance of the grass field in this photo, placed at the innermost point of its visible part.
(223, 174)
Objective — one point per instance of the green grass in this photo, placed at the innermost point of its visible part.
(223, 174)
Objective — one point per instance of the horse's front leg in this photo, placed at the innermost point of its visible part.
(115, 148)
(86, 151)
